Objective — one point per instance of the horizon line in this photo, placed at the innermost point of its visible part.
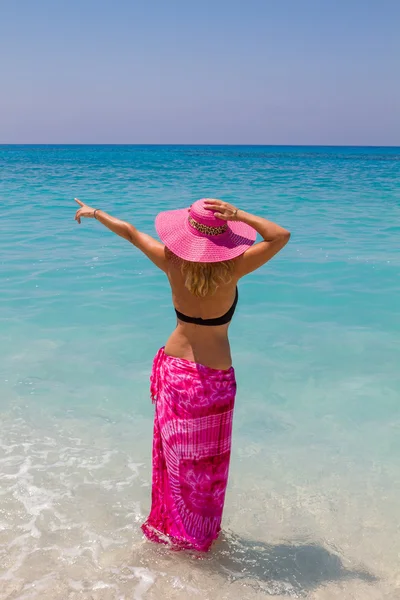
(202, 145)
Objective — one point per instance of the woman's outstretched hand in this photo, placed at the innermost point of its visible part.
(222, 210)
(84, 211)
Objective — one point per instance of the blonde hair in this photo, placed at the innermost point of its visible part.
(203, 279)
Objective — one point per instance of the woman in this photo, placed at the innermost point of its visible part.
(205, 250)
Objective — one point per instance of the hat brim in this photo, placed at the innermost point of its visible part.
(189, 244)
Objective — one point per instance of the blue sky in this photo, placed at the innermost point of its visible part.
(220, 71)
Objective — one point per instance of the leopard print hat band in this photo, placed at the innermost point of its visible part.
(206, 228)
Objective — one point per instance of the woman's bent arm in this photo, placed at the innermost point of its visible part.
(274, 236)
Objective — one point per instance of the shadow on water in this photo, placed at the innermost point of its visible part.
(280, 569)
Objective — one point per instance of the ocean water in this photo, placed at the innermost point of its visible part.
(312, 508)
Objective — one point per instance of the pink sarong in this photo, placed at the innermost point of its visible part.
(191, 451)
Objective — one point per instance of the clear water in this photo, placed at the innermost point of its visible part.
(313, 501)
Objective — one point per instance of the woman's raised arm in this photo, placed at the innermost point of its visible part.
(152, 248)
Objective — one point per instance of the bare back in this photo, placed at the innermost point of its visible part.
(207, 345)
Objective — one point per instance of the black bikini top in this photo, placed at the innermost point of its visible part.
(211, 322)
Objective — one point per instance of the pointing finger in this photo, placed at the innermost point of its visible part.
(79, 202)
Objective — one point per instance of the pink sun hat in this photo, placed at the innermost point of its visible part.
(195, 235)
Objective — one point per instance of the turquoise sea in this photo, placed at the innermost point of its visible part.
(313, 504)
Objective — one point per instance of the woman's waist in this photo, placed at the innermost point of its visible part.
(192, 390)
(210, 349)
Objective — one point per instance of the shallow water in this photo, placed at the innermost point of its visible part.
(312, 505)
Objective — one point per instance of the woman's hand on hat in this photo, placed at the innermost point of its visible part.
(83, 211)
(222, 210)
